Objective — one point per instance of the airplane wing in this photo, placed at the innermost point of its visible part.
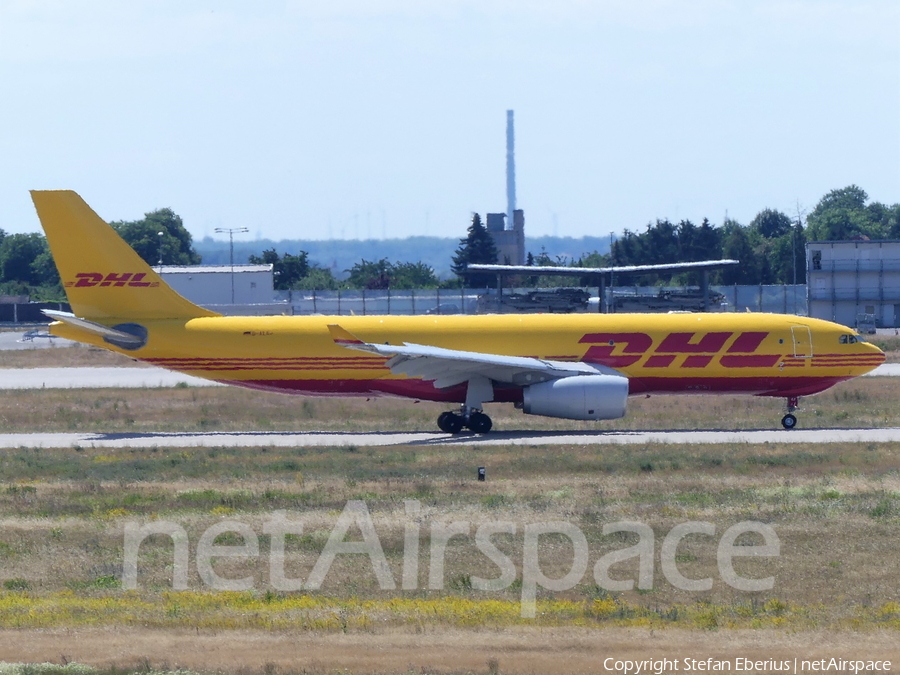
(449, 367)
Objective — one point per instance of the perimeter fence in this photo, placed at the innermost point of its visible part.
(779, 299)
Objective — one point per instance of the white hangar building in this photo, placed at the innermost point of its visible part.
(221, 284)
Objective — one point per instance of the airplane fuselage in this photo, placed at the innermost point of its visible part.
(757, 354)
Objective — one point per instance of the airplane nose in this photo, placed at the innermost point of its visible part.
(875, 356)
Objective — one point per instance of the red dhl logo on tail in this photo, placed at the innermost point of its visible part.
(95, 279)
(698, 353)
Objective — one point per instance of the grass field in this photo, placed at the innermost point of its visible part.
(864, 402)
(835, 509)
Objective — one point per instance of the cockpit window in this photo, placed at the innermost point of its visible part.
(850, 339)
(843, 339)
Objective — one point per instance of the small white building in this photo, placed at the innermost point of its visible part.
(222, 284)
(847, 278)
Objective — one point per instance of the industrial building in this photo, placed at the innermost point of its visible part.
(508, 229)
(510, 243)
(854, 281)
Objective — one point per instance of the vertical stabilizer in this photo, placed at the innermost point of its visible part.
(102, 275)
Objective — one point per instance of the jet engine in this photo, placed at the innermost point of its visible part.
(581, 397)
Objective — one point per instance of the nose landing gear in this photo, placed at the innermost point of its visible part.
(789, 421)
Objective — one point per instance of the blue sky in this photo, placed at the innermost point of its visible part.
(345, 119)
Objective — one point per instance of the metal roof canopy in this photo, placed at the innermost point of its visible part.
(702, 265)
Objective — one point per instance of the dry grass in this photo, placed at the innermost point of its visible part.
(64, 357)
(447, 651)
(864, 402)
(836, 512)
(889, 344)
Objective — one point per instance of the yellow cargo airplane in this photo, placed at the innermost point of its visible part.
(574, 366)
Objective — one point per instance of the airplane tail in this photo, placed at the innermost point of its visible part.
(103, 277)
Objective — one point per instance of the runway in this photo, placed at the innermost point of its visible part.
(96, 378)
(395, 439)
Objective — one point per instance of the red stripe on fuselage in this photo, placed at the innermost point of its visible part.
(750, 361)
(420, 389)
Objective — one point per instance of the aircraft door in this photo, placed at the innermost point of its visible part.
(802, 338)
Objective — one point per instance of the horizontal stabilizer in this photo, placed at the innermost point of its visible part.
(117, 337)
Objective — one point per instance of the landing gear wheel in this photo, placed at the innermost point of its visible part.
(789, 421)
(450, 423)
(479, 423)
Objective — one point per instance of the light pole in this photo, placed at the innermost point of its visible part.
(160, 235)
(231, 232)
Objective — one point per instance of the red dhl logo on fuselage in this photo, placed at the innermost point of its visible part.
(697, 352)
(92, 279)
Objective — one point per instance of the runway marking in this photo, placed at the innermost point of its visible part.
(523, 438)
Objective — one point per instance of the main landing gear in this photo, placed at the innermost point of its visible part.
(453, 423)
(478, 390)
(789, 421)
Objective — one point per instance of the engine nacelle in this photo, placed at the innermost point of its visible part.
(581, 397)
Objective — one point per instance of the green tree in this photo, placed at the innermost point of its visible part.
(662, 243)
(788, 256)
(708, 241)
(372, 275)
(174, 247)
(318, 279)
(594, 259)
(627, 250)
(476, 248)
(542, 259)
(44, 272)
(18, 253)
(850, 198)
(287, 269)
(383, 274)
(409, 275)
(736, 245)
(842, 214)
(887, 217)
(771, 223)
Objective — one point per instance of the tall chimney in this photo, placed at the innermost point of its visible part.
(510, 170)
